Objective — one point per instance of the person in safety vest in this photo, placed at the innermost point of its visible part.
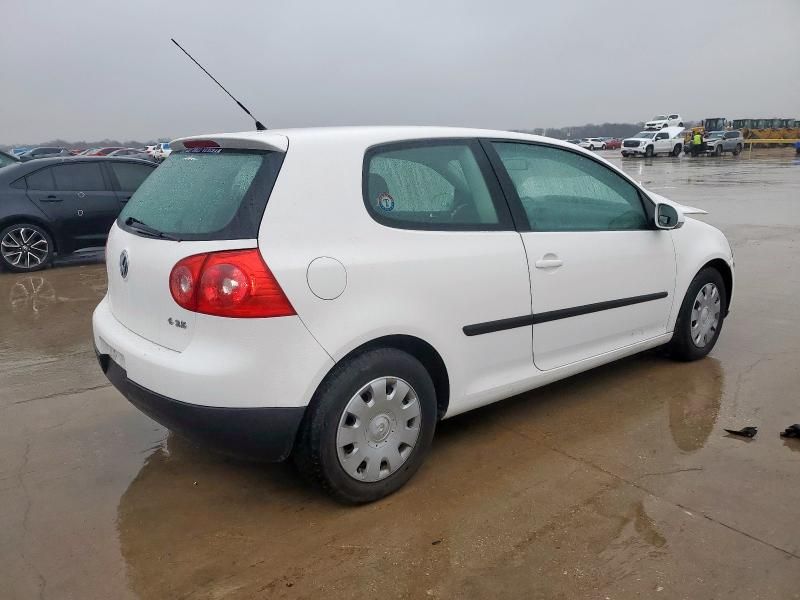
(697, 143)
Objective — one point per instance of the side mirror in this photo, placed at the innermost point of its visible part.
(668, 217)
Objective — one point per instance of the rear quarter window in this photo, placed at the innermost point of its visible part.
(206, 196)
(432, 184)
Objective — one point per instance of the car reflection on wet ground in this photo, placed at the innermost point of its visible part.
(616, 483)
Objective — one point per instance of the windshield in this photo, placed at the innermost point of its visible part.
(646, 134)
(660, 118)
(206, 195)
(6, 160)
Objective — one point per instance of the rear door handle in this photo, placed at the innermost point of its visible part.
(51, 198)
(548, 263)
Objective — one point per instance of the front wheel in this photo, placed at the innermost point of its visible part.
(25, 247)
(718, 150)
(648, 151)
(700, 318)
(369, 426)
(603, 147)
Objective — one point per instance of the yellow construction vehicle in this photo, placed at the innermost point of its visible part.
(708, 125)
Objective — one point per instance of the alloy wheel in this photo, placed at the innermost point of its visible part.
(24, 248)
(378, 429)
(705, 315)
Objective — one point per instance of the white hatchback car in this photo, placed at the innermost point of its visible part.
(333, 293)
(593, 143)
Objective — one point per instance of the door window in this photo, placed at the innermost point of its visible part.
(427, 185)
(129, 175)
(79, 177)
(662, 136)
(562, 190)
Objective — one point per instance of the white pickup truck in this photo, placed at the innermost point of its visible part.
(668, 140)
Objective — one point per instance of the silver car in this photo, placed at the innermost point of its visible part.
(718, 142)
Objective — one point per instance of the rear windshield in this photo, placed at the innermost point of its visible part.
(202, 195)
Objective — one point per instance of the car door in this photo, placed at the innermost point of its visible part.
(602, 277)
(126, 177)
(86, 190)
(662, 143)
(59, 207)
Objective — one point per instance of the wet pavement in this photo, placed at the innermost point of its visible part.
(617, 483)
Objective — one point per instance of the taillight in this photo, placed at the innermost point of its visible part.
(231, 283)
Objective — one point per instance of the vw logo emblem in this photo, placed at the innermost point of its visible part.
(123, 264)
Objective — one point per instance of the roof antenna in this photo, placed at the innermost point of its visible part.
(259, 125)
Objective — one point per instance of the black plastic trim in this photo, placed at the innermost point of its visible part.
(262, 433)
(554, 315)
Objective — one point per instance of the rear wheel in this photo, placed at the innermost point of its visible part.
(700, 318)
(738, 150)
(676, 151)
(369, 426)
(25, 247)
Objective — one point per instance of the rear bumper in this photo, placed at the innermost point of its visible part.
(262, 433)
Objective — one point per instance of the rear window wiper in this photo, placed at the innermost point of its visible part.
(148, 230)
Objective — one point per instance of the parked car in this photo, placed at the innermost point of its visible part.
(718, 142)
(18, 151)
(57, 205)
(161, 151)
(103, 151)
(7, 159)
(243, 318)
(132, 153)
(613, 144)
(661, 121)
(593, 143)
(43, 152)
(577, 142)
(649, 143)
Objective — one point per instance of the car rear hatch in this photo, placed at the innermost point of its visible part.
(209, 195)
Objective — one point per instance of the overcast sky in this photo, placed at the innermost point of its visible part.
(82, 69)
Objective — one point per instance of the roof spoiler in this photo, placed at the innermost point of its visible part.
(242, 141)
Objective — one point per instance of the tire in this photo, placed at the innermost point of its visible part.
(603, 147)
(648, 152)
(718, 150)
(676, 151)
(35, 248)
(591, 148)
(680, 124)
(683, 345)
(339, 412)
(738, 150)
(625, 154)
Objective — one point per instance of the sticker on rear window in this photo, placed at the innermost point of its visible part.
(204, 150)
(385, 201)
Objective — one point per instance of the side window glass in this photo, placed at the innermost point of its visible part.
(130, 176)
(431, 186)
(79, 177)
(662, 136)
(565, 191)
(41, 180)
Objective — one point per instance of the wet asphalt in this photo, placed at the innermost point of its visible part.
(617, 483)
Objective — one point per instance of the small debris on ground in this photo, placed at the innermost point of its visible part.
(435, 542)
(793, 431)
(748, 432)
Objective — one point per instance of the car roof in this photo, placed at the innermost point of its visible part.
(14, 172)
(360, 136)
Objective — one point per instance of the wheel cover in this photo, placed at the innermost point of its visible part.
(24, 248)
(705, 315)
(378, 429)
